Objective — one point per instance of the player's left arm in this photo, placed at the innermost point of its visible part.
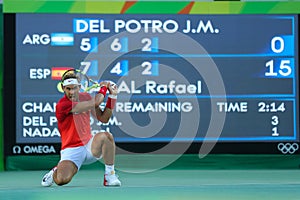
(106, 114)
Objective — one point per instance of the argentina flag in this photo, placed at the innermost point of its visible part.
(62, 39)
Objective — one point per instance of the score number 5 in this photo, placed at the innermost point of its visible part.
(284, 69)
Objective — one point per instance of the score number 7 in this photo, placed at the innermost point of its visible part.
(285, 68)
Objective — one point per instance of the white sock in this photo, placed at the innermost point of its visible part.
(109, 169)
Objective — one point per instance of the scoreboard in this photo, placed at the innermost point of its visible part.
(225, 79)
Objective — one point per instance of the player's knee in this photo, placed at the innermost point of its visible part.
(104, 136)
(61, 180)
(109, 136)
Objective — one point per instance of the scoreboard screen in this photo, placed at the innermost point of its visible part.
(182, 78)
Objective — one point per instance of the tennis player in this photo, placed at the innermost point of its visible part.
(78, 145)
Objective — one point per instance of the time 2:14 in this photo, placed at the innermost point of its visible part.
(271, 107)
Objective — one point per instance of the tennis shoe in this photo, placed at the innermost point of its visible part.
(111, 179)
(47, 180)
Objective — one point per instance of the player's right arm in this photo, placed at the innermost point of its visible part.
(85, 105)
(92, 103)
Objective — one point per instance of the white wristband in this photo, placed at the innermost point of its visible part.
(112, 96)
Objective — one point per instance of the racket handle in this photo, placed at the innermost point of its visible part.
(111, 101)
(103, 90)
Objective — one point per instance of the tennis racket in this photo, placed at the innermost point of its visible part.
(87, 84)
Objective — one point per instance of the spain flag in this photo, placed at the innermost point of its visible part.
(57, 72)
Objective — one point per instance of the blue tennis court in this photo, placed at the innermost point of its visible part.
(172, 182)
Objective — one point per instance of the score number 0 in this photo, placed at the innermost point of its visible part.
(285, 69)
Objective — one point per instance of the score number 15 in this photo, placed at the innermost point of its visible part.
(279, 67)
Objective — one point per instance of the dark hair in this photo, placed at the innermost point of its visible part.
(68, 75)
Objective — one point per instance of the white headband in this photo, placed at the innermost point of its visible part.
(70, 81)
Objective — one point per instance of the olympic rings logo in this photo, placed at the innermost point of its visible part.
(288, 148)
